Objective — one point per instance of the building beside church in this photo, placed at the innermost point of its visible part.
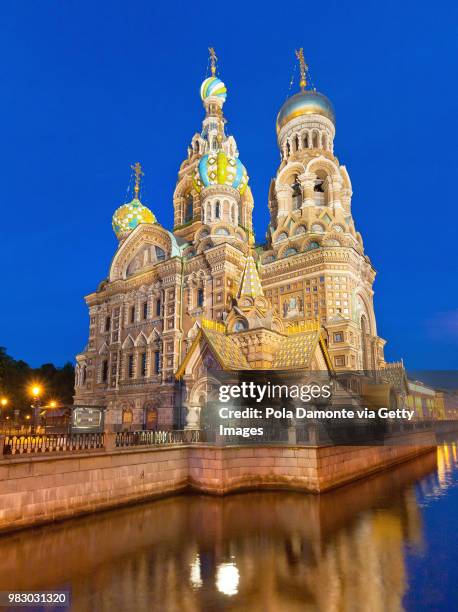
(205, 296)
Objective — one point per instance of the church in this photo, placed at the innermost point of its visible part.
(177, 305)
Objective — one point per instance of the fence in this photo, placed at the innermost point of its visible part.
(51, 443)
(150, 438)
(28, 444)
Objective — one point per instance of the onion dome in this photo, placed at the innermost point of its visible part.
(128, 216)
(213, 88)
(220, 169)
(305, 102)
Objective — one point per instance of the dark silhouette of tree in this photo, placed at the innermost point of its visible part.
(16, 377)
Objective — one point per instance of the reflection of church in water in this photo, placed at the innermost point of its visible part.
(204, 296)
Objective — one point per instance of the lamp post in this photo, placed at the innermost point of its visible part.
(3, 404)
(35, 391)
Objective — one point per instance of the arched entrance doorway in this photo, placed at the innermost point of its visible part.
(150, 417)
(127, 418)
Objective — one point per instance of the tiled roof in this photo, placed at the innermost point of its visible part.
(229, 354)
(296, 351)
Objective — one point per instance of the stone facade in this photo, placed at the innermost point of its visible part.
(162, 285)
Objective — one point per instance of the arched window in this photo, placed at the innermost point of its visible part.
(282, 236)
(297, 194)
(232, 213)
(240, 325)
(296, 143)
(324, 141)
(315, 140)
(188, 209)
(217, 210)
(105, 370)
(200, 297)
(160, 254)
(288, 149)
(301, 229)
(222, 231)
(290, 252)
(317, 228)
(320, 188)
(306, 141)
(209, 213)
(312, 245)
(364, 341)
(197, 145)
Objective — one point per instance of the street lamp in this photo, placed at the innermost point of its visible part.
(35, 391)
(3, 404)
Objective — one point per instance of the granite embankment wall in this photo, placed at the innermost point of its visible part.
(38, 489)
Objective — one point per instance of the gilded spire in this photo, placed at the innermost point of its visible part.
(251, 283)
(303, 68)
(138, 178)
(213, 60)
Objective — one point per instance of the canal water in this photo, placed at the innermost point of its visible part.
(383, 544)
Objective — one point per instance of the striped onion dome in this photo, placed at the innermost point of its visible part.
(220, 169)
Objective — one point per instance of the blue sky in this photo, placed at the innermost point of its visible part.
(90, 87)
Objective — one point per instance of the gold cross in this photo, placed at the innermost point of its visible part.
(303, 67)
(138, 177)
(213, 60)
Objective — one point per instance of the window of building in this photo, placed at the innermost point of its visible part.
(339, 360)
(217, 209)
(160, 254)
(157, 364)
(143, 364)
(105, 370)
(130, 366)
(338, 336)
(107, 324)
(158, 307)
(189, 209)
(145, 310)
(297, 194)
(132, 314)
(200, 297)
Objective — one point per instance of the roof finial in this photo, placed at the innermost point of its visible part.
(213, 60)
(138, 178)
(303, 68)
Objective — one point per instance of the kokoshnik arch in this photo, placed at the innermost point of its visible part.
(178, 304)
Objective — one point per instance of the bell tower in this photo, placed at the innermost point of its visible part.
(311, 225)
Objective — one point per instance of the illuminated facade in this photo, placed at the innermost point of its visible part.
(204, 296)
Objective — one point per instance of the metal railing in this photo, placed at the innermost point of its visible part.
(152, 438)
(51, 443)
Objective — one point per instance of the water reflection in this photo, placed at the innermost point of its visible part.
(266, 551)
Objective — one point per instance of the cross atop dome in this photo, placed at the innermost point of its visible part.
(303, 68)
(213, 60)
(138, 177)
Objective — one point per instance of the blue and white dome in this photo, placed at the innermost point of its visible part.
(220, 169)
(213, 88)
